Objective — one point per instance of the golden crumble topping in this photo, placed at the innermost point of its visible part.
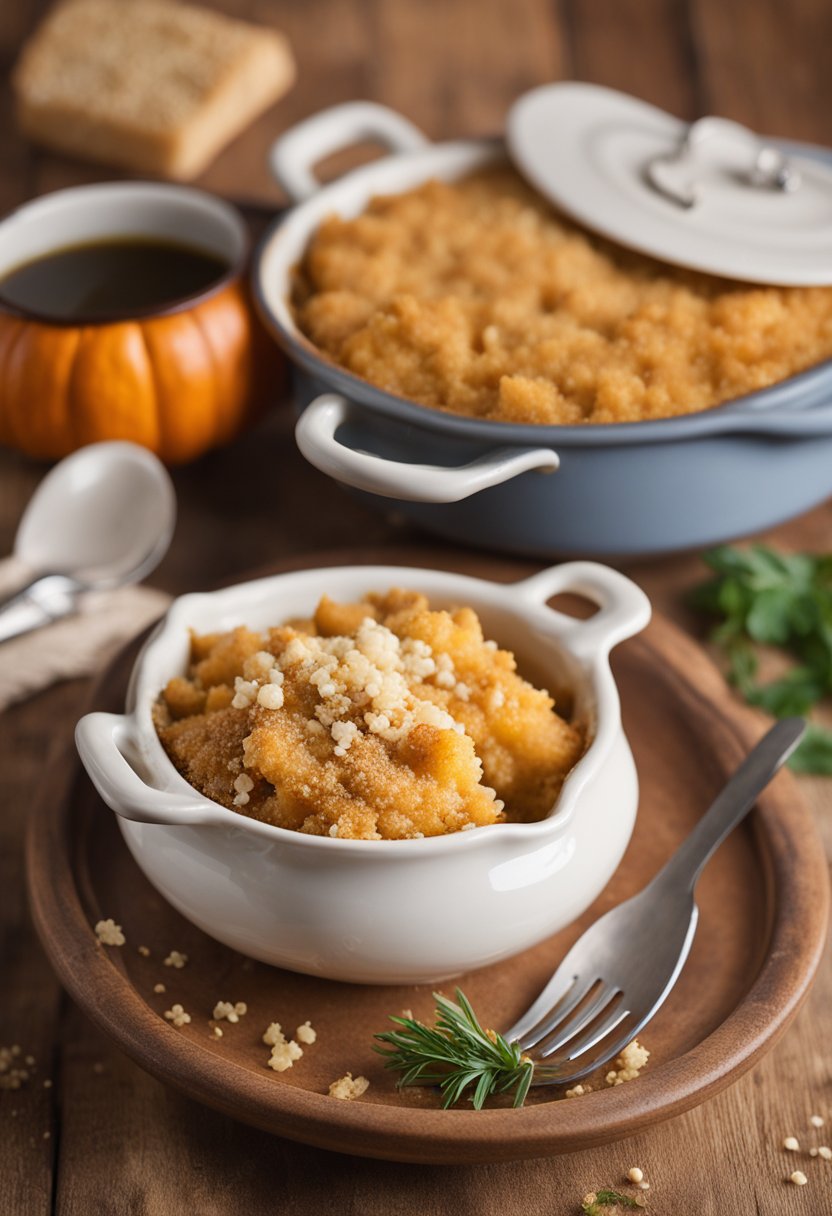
(478, 298)
(375, 720)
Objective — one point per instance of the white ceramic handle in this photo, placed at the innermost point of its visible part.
(100, 739)
(294, 155)
(315, 435)
(623, 608)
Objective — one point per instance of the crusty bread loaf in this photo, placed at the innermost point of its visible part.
(156, 87)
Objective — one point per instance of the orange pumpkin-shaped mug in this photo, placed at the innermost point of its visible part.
(179, 377)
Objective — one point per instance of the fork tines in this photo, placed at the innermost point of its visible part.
(560, 1029)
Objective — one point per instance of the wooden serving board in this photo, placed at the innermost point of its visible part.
(763, 903)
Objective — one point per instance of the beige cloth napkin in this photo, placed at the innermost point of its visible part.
(76, 645)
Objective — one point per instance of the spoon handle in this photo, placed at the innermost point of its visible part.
(46, 598)
(734, 802)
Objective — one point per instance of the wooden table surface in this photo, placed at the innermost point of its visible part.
(108, 1139)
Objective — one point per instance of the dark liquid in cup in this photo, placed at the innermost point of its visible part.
(109, 279)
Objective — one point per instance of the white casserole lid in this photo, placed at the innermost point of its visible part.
(710, 196)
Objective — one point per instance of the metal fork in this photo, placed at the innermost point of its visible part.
(619, 973)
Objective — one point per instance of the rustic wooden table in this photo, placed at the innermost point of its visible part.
(106, 1138)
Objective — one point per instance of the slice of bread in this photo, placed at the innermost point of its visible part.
(152, 86)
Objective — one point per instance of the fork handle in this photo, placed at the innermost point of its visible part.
(732, 804)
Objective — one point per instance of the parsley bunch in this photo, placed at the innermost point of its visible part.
(782, 600)
(456, 1054)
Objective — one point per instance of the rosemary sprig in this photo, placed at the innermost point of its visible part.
(456, 1054)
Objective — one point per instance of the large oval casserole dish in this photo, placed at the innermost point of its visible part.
(634, 488)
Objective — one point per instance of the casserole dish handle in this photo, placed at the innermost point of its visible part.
(623, 608)
(100, 739)
(316, 437)
(294, 155)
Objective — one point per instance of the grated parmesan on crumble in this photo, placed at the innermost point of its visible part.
(374, 720)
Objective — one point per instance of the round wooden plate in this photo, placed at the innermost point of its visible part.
(763, 902)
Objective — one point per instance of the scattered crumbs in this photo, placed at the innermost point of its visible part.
(629, 1064)
(816, 1120)
(176, 959)
(284, 1051)
(825, 1152)
(348, 1087)
(813, 1152)
(791, 1145)
(218, 1032)
(231, 1013)
(177, 1015)
(47, 1084)
(109, 933)
(306, 1033)
(273, 1034)
(284, 1055)
(144, 951)
(12, 1074)
(159, 988)
(635, 1174)
(29, 1061)
(47, 1135)
(578, 1091)
(407, 1013)
(798, 1178)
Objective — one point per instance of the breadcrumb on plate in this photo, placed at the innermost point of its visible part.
(306, 1033)
(229, 1011)
(177, 1015)
(348, 1087)
(109, 933)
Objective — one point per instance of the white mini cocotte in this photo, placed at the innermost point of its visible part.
(400, 911)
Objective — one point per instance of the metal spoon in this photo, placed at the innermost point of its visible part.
(100, 519)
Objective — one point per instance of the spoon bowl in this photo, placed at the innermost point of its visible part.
(103, 516)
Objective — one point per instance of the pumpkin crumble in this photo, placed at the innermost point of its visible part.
(381, 719)
(477, 297)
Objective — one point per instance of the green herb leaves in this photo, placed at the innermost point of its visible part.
(456, 1054)
(783, 600)
(595, 1202)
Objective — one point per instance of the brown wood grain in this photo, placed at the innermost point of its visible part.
(122, 1143)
